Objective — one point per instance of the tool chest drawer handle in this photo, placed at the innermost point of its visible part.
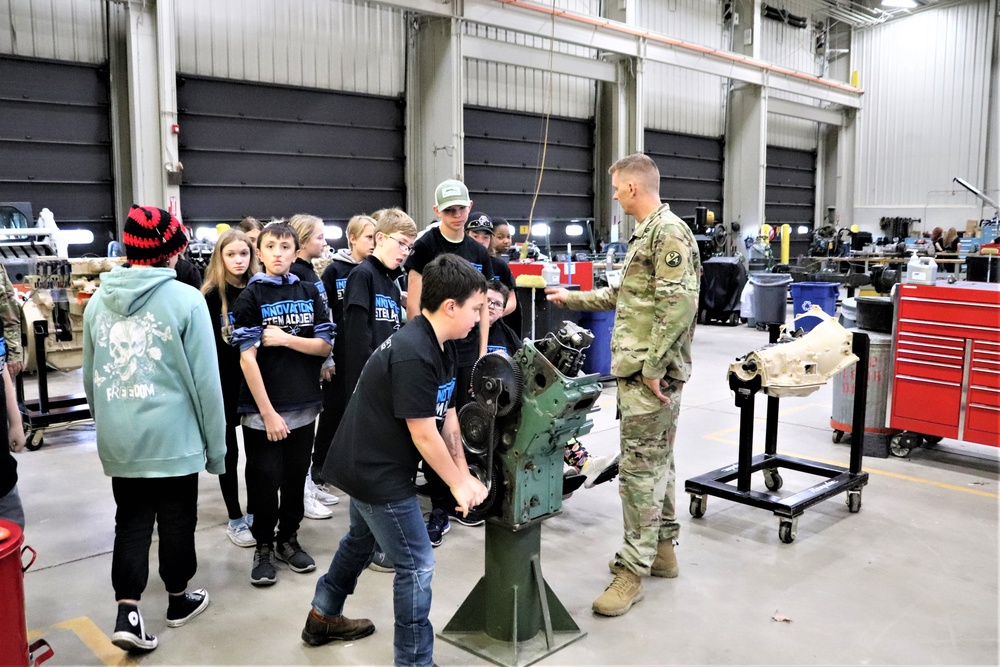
(955, 349)
(984, 407)
(929, 381)
(911, 334)
(904, 360)
(971, 304)
(929, 323)
(976, 386)
(906, 350)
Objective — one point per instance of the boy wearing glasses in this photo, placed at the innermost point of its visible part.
(372, 300)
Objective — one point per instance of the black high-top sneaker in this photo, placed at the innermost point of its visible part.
(182, 608)
(130, 632)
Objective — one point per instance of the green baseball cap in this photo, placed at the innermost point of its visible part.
(451, 193)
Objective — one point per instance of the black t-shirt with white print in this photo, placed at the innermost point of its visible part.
(372, 313)
(305, 271)
(427, 248)
(291, 378)
(409, 376)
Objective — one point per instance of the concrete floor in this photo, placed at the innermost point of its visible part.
(911, 579)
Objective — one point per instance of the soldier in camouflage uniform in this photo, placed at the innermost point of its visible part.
(10, 313)
(655, 307)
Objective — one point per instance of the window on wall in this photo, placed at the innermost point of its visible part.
(55, 143)
(272, 151)
(503, 154)
(691, 171)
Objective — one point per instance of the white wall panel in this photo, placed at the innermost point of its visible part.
(515, 88)
(925, 114)
(787, 46)
(328, 44)
(70, 30)
(677, 99)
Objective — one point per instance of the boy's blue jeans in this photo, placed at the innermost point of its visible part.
(399, 529)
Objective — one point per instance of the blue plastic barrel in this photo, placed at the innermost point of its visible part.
(598, 358)
(806, 295)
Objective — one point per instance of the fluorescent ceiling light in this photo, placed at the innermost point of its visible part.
(333, 233)
(78, 236)
(899, 4)
(539, 229)
(574, 230)
(206, 234)
(803, 229)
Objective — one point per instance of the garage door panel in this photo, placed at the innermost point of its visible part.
(207, 204)
(218, 167)
(501, 179)
(292, 137)
(691, 170)
(53, 162)
(503, 155)
(55, 143)
(790, 185)
(515, 207)
(270, 151)
(200, 95)
(51, 122)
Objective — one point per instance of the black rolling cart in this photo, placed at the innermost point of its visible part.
(836, 479)
(46, 410)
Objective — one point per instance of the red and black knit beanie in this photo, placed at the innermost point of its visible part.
(152, 236)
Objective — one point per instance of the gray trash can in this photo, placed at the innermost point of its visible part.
(770, 297)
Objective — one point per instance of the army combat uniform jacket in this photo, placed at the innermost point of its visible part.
(656, 303)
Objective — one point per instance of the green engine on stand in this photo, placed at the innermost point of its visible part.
(526, 409)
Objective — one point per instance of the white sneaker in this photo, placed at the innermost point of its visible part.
(239, 533)
(314, 509)
(320, 492)
(599, 469)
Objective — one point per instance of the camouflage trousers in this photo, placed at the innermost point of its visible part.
(646, 477)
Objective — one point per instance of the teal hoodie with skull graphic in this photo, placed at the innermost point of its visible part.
(151, 376)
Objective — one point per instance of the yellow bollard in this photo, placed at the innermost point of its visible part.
(786, 242)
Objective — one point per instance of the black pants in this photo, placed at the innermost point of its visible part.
(438, 491)
(275, 468)
(172, 502)
(229, 481)
(334, 404)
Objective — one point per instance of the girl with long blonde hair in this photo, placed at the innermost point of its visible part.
(233, 263)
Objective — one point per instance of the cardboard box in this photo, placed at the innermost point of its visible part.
(972, 229)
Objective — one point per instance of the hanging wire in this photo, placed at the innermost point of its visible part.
(545, 137)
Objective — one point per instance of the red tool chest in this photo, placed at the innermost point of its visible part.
(946, 380)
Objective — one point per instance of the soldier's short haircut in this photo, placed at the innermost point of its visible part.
(449, 277)
(641, 168)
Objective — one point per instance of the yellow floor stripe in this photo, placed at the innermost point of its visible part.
(91, 635)
(718, 437)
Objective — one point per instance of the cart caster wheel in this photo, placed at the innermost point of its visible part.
(786, 531)
(772, 479)
(931, 440)
(838, 436)
(854, 501)
(902, 443)
(698, 505)
(34, 441)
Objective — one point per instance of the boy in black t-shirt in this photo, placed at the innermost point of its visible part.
(284, 333)
(402, 411)
(372, 301)
(452, 205)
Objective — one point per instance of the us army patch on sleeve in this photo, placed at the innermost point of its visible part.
(673, 259)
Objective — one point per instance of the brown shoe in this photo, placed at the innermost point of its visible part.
(664, 565)
(321, 629)
(625, 590)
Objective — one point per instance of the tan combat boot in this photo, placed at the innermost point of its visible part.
(625, 590)
(664, 565)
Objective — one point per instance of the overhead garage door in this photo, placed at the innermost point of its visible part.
(790, 190)
(55, 143)
(503, 154)
(273, 151)
(691, 170)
